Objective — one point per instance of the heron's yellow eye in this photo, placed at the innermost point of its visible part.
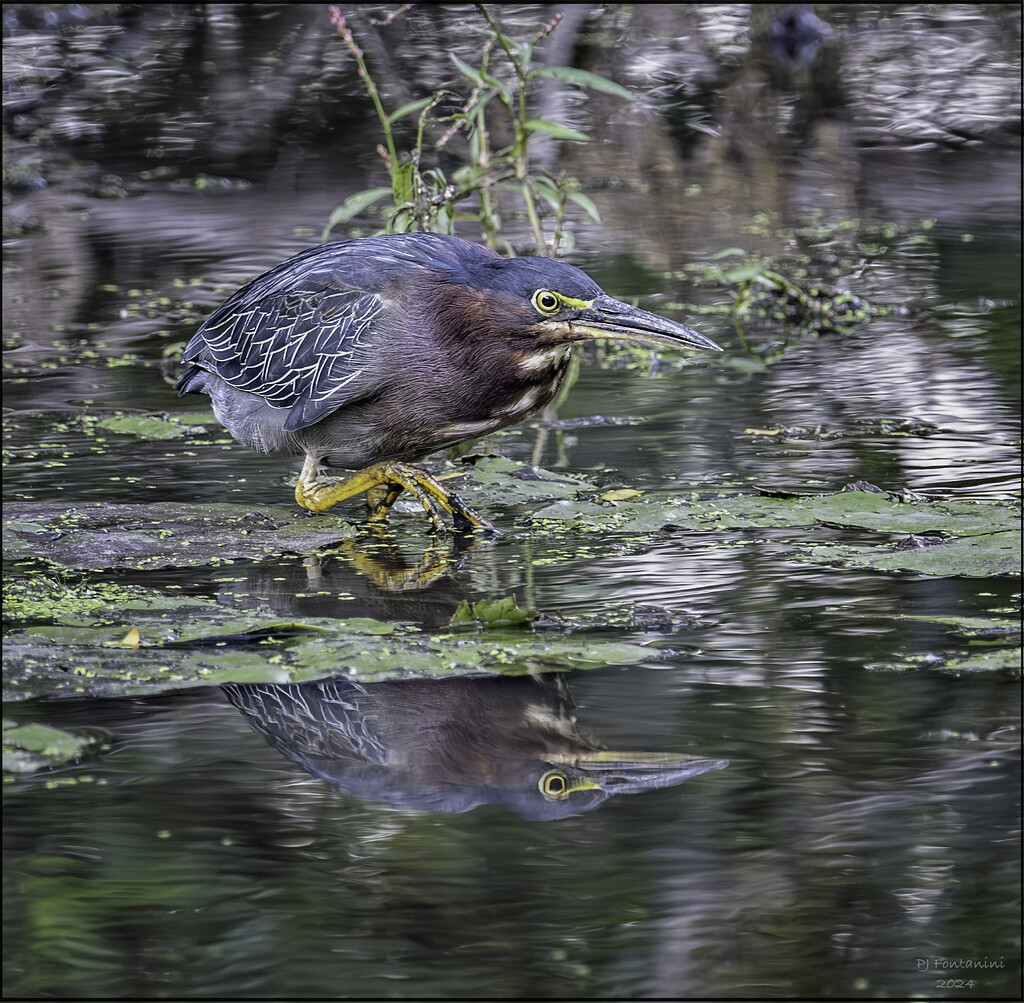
(553, 785)
(545, 301)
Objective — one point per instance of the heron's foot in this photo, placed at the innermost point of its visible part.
(382, 483)
(392, 570)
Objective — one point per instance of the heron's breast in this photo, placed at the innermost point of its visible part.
(525, 383)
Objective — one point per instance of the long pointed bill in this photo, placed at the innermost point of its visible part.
(611, 318)
(630, 772)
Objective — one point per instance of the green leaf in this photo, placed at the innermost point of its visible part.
(974, 627)
(583, 78)
(472, 177)
(409, 109)
(543, 182)
(524, 50)
(144, 426)
(472, 75)
(32, 747)
(482, 80)
(547, 190)
(401, 222)
(743, 273)
(555, 131)
(586, 204)
(552, 200)
(403, 183)
(487, 613)
(436, 181)
(354, 205)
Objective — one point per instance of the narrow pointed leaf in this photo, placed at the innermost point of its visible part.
(409, 109)
(472, 75)
(586, 204)
(354, 205)
(554, 130)
(403, 184)
(583, 78)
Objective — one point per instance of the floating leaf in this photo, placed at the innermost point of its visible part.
(144, 426)
(491, 613)
(620, 494)
(32, 747)
(977, 556)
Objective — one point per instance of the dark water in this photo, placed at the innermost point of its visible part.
(858, 829)
(863, 840)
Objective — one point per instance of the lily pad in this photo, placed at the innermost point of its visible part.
(969, 538)
(846, 509)
(29, 748)
(980, 556)
(65, 659)
(975, 627)
(101, 536)
(40, 598)
(490, 613)
(73, 632)
(142, 537)
(512, 483)
(146, 427)
(1003, 660)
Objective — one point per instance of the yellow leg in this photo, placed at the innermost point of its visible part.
(384, 564)
(385, 481)
(380, 499)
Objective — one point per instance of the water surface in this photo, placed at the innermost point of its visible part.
(863, 839)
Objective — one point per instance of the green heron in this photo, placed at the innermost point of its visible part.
(369, 354)
(453, 744)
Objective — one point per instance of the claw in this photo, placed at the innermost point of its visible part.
(383, 483)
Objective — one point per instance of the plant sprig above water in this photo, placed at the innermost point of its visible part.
(426, 197)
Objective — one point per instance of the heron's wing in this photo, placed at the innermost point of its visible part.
(312, 723)
(301, 336)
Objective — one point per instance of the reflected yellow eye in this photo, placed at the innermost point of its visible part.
(545, 301)
(554, 784)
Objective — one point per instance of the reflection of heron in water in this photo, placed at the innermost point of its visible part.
(453, 744)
